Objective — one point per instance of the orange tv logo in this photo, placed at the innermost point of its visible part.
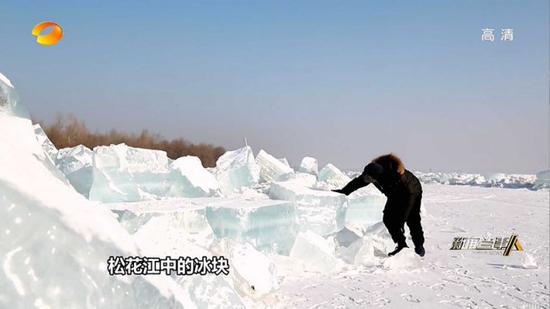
(50, 38)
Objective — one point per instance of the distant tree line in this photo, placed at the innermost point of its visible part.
(68, 131)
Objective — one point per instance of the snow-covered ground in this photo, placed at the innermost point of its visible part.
(445, 278)
(289, 240)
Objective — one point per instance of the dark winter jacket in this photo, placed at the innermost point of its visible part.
(389, 175)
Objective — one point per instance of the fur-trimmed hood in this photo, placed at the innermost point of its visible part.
(391, 162)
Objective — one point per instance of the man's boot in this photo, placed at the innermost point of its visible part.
(420, 250)
(397, 249)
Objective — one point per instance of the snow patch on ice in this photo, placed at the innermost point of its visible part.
(271, 168)
(191, 179)
(309, 165)
(330, 177)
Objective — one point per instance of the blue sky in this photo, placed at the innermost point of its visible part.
(342, 81)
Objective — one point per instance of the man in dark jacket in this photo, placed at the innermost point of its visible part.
(404, 194)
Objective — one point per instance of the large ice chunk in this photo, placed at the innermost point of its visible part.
(176, 218)
(316, 253)
(298, 189)
(190, 179)
(365, 207)
(320, 211)
(309, 165)
(236, 169)
(269, 225)
(332, 177)
(124, 174)
(77, 165)
(255, 274)
(345, 237)
(369, 250)
(271, 169)
(364, 251)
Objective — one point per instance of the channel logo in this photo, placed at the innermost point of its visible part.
(50, 38)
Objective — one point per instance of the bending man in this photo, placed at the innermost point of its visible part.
(404, 194)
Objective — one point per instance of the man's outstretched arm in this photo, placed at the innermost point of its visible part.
(355, 184)
(369, 174)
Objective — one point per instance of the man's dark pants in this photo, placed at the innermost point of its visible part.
(401, 209)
